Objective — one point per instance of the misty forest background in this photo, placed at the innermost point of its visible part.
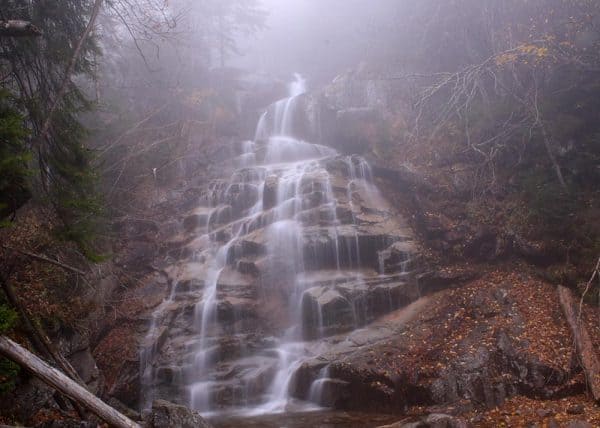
(100, 100)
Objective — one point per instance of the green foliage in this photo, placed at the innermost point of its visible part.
(37, 70)
(14, 158)
(74, 193)
(8, 369)
(8, 374)
(8, 317)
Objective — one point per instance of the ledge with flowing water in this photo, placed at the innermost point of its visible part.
(292, 244)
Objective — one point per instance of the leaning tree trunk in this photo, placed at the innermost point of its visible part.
(583, 343)
(64, 384)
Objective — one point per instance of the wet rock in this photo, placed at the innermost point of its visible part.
(332, 391)
(248, 267)
(397, 257)
(231, 309)
(166, 415)
(385, 298)
(304, 376)
(433, 421)
(270, 192)
(325, 311)
(194, 221)
(241, 196)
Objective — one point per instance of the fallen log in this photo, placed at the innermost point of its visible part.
(583, 343)
(39, 340)
(62, 383)
(18, 28)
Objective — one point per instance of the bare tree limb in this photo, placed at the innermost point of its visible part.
(595, 273)
(45, 259)
(18, 28)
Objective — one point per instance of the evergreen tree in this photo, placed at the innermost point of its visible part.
(35, 71)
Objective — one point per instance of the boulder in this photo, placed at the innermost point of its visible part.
(85, 365)
(166, 415)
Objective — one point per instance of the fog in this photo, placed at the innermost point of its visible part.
(319, 38)
(295, 213)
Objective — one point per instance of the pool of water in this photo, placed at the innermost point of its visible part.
(317, 419)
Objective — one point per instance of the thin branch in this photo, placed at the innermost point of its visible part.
(45, 259)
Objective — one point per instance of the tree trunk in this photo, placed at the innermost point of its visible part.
(62, 383)
(585, 349)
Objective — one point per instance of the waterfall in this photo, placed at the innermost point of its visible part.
(286, 237)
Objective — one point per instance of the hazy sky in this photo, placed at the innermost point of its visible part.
(317, 37)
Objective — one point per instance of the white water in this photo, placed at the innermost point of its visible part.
(275, 156)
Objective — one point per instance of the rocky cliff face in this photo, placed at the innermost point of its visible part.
(280, 271)
(272, 256)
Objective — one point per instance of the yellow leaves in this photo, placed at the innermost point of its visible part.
(525, 53)
(506, 58)
(196, 98)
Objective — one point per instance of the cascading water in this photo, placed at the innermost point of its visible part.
(294, 246)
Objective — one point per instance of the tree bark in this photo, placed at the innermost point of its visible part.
(62, 383)
(583, 343)
(17, 28)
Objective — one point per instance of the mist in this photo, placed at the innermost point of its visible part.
(318, 38)
(299, 213)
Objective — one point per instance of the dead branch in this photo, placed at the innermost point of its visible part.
(45, 259)
(583, 343)
(595, 273)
